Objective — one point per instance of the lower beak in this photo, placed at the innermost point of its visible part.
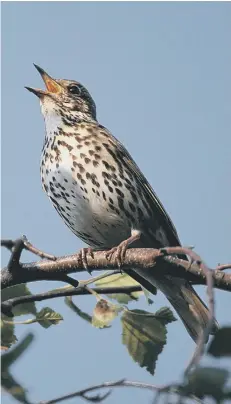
(37, 91)
(52, 87)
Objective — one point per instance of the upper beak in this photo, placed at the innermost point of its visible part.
(52, 87)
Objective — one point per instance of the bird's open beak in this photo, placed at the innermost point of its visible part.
(52, 87)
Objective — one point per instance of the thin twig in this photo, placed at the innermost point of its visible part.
(99, 398)
(9, 244)
(223, 267)
(28, 246)
(8, 305)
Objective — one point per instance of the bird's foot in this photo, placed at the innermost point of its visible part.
(120, 250)
(83, 256)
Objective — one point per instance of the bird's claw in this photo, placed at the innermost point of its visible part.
(119, 251)
(83, 256)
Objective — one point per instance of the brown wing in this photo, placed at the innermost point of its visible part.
(160, 215)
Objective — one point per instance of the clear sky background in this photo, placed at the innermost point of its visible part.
(160, 76)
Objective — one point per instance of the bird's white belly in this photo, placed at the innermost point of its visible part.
(82, 205)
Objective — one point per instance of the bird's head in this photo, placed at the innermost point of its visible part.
(67, 99)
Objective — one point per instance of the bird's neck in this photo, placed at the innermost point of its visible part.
(56, 122)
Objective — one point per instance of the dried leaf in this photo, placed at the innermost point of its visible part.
(104, 313)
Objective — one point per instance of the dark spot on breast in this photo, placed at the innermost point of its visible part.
(134, 197)
(97, 148)
(87, 160)
(87, 143)
(97, 156)
(79, 146)
(132, 207)
(119, 192)
(46, 187)
(93, 190)
(140, 213)
(104, 196)
(95, 163)
(128, 181)
(82, 155)
(105, 163)
(64, 144)
(79, 176)
(91, 152)
(111, 201)
(54, 201)
(110, 189)
(80, 166)
(83, 182)
(121, 203)
(106, 175)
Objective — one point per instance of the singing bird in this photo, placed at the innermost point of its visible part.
(101, 194)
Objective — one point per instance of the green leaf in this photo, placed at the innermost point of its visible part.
(47, 317)
(165, 315)
(221, 343)
(205, 381)
(147, 295)
(10, 357)
(85, 316)
(144, 335)
(9, 384)
(104, 313)
(119, 280)
(18, 291)
(8, 337)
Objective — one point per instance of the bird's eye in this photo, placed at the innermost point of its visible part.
(73, 89)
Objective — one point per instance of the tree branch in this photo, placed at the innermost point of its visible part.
(58, 269)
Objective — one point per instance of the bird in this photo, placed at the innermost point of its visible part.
(102, 195)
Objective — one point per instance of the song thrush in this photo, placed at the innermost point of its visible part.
(100, 192)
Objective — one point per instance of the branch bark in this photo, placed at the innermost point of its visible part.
(147, 259)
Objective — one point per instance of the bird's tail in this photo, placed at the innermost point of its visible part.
(188, 305)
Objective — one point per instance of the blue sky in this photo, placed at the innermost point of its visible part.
(160, 76)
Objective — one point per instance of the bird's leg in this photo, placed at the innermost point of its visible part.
(121, 249)
(83, 256)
